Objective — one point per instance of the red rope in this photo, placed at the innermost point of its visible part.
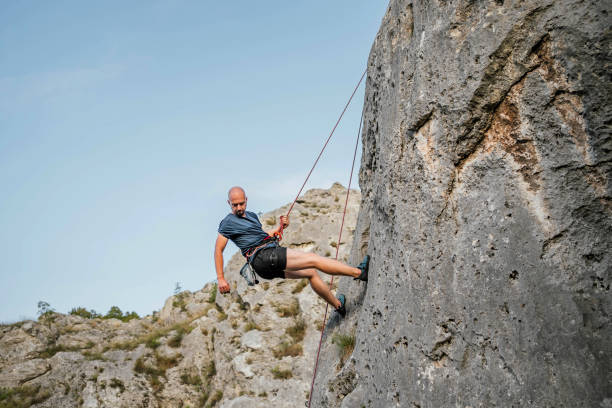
(280, 232)
(348, 190)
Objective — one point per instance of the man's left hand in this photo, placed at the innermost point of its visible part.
(284, 221)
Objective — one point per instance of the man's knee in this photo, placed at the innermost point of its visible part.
(311, 273)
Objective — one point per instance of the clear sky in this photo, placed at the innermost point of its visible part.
(123, 123)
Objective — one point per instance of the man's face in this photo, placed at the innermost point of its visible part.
(238, 202)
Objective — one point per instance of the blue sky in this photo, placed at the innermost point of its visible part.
(122, 124)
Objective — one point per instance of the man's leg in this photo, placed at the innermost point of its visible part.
(316, 283)
(298, 260)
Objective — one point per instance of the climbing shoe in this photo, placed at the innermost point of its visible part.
(364, 265)
(341, 310)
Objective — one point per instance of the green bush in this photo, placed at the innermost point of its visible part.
(287, 349)
(87, 314)
(281, 374)
(211, 370)
(116, 313)
(213, 294)
(218, 396)
(345, 343)
(22, 397)
(297, 331)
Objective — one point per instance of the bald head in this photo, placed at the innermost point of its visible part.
(236, 191)
(236, 198)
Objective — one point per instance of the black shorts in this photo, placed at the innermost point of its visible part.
(270, 263)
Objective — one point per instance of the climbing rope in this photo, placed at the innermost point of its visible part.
(279, 234)
(348, 190)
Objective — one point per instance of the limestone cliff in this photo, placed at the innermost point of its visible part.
(486, 208)
(252, 348)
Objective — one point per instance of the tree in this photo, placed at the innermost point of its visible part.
(44, 308)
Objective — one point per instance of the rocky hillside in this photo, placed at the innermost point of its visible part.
(252, 348)
(486, 208)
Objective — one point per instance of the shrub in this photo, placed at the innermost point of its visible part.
(191, 379)
(250, 326)
(176, 340)
(289, 311)
(24, 396)
(345, 343)
(217, 396)
(89, 355)
(287, 349)
(53, 349)
(300, 285)
(153, 341)
(87, 314)
(297, 331)
(117, 383)
(281, 374)
(211, 370)
(164, 363)
(213, 294)
(116, 313)
(244, 306)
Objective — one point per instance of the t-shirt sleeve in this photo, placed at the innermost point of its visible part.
(225, 228)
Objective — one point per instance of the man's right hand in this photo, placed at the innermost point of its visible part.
(224, 287)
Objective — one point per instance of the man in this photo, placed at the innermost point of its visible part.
(270, 260)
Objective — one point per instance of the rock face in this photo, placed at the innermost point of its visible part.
(252, 348)
(487, 211)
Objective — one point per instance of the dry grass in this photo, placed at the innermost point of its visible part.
(297, 331)
(345, 344)
(281, 374)
(214, 400)
(300, 285)
(287, 349)
(250, 325)
(288, 311)
(24, 396)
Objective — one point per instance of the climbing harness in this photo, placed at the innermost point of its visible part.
(247, 271)
(279, 234)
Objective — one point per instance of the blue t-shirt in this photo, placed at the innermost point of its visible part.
(245, 232)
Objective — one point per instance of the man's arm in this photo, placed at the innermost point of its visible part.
(284, 221)
(219, 247)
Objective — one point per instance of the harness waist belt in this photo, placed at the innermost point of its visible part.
(268, 243)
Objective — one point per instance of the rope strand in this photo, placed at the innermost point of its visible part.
(348, 191)
(325, 145)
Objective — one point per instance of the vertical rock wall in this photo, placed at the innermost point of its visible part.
(487, 211)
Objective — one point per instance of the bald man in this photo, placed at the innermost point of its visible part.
(270, 260)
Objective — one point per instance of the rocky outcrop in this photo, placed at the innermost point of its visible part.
(252, 348)
(487, 211)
